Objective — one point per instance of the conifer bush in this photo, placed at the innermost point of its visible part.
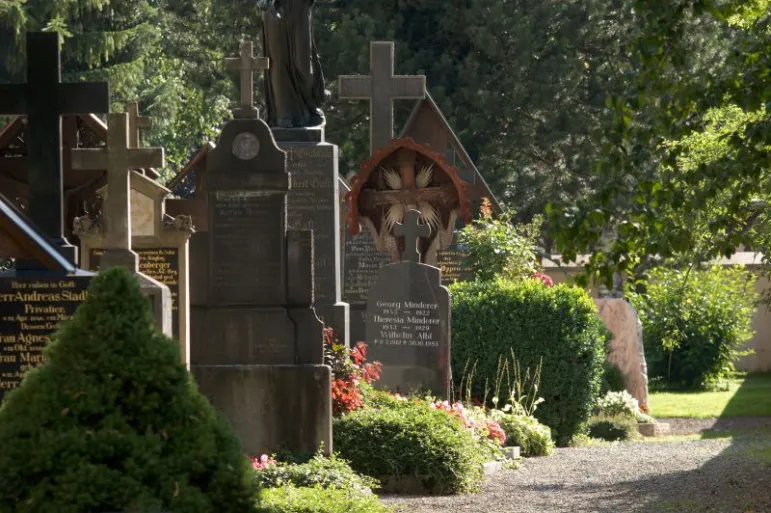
(113, 422)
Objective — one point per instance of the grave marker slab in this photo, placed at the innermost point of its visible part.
(44, 99)
(118, 157)
(33, 303)
(408, 323)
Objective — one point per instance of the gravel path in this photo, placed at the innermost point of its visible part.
(706, 476)
(736, 424)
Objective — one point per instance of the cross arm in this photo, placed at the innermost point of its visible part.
(84, 98)
(13, 99)
(445, 194)
(89, 158)
(355, 87)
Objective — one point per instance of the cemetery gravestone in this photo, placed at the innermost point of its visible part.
(258, 355)
(161, 244)
(381, 88)
(33, 303)
(408, 321)
(44, 99)
(118, 157)
(313, 204)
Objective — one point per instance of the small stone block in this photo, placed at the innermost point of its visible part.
(654, 429)
(511, 453)
(492, 467)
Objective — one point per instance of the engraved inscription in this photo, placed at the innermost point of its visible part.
(160, 264)
(362, 263)
(406, 324)
(31, 310)
(312, 204)
(247, 238)
(453, 264)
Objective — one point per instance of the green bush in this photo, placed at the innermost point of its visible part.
(114, 422)
(613, 428)
(612, 379)
(532, 437)
(319, 471)
(696, 323)
(558, 325)
(415, 441)
(291, 499)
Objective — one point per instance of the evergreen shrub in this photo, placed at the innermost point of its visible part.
(557, 325)
(113, 421)
(413, 440)
(696, 323)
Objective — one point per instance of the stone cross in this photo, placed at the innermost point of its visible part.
(381, 88)
(412, 230)
(136, 123)
(119, 158)
(44, 99)
(247, 64)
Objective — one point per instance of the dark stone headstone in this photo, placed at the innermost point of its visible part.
(257, 353)
(408, 328)
(31, 310)
(313, 204)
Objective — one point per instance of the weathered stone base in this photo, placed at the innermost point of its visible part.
(273, 407)
(654, 429)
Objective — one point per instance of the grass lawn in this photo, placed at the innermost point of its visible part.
(746, 397)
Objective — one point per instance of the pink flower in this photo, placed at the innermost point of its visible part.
(262, 462)
(546, 280)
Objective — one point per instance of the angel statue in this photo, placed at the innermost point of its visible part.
(294, 83)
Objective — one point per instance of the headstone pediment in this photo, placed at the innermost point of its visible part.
(246, 157)
(147, 204)
(402, 176)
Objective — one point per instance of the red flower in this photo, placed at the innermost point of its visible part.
(546, 280)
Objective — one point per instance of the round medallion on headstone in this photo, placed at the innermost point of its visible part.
(246, 146)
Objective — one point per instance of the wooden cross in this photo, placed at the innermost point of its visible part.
(381, 88)
(44, 99)
(247, 64)
(412, 230)
(119, 158)
(136, 123)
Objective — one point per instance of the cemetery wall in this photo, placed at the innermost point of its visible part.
(760, 361)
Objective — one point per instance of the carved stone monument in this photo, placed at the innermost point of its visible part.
(161, 243)
(118, 157)
(258, 353)
(408, 320)
(626, 350)
(294, 83)
(381, 88)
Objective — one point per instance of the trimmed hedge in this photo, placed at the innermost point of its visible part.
(414, 441)
(557, 324)
(113, 421)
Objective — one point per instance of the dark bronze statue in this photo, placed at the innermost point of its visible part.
(294, 84)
